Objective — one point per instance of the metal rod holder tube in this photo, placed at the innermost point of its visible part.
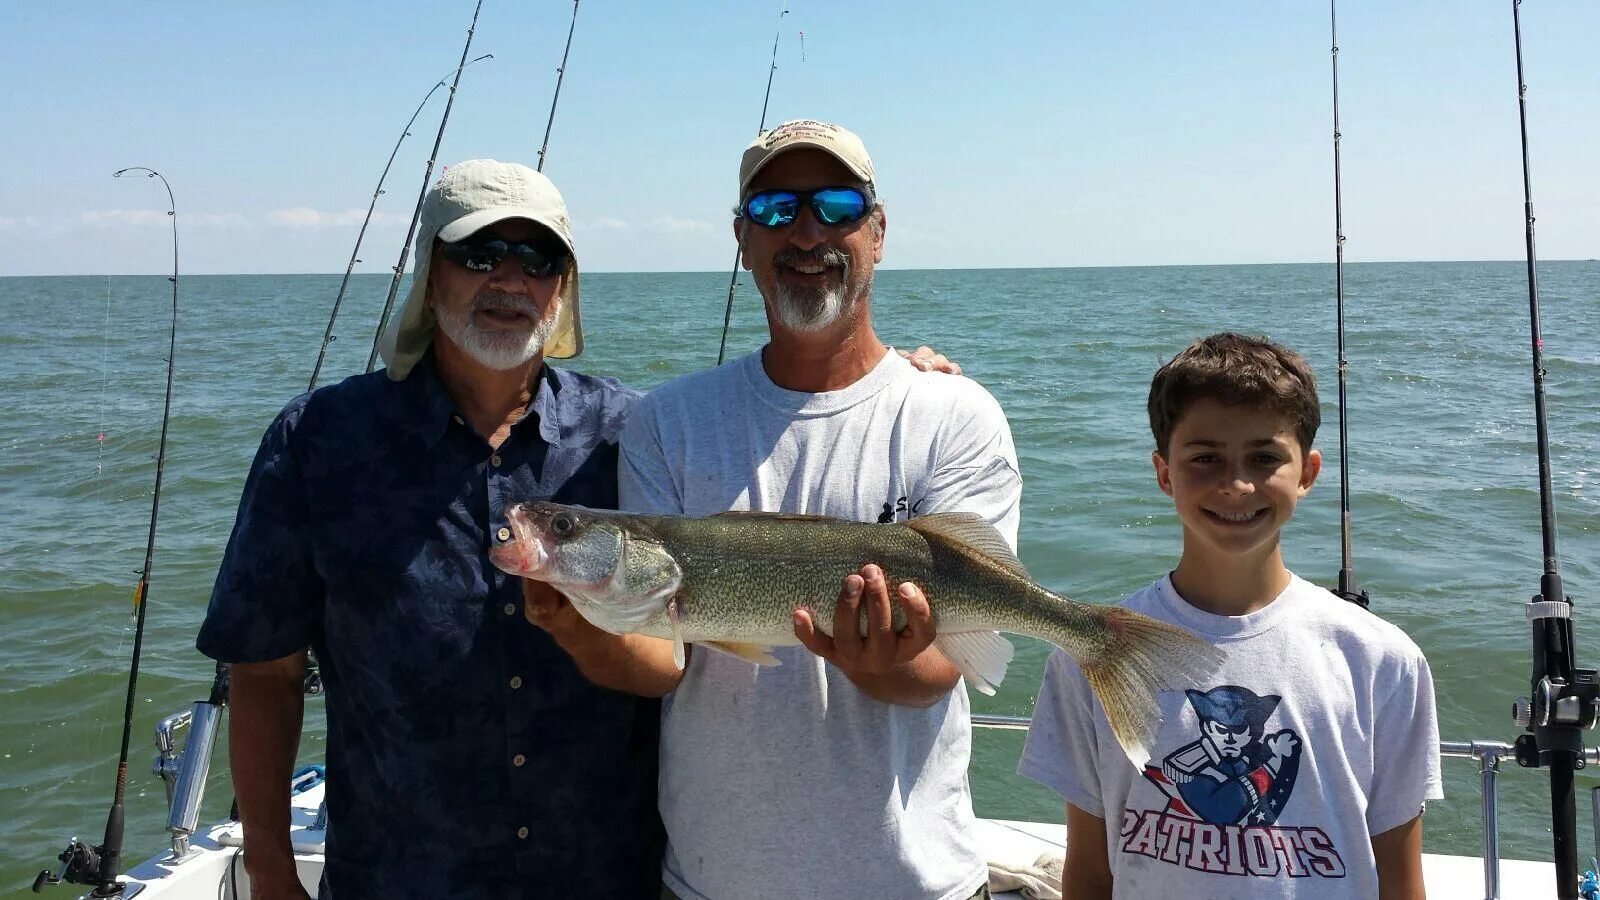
(183, 817)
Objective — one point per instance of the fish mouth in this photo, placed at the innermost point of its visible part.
(524, 553)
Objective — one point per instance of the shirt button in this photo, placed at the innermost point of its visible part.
(457, 420)
(516, 682)
(495, 460)
(523, 832)
(504, 534)
(511, 609)
(518, 760)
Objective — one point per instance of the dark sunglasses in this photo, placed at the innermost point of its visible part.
(481, 253)
(831, 206)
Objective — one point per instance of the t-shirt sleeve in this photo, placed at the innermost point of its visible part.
(644, 481)
(1060, 751)
(267, 601)
(1405, 770)
(977, 468)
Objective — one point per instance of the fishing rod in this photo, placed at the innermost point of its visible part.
(733, 279)
(1347, 577)
(99, 865)
(411, 231)
(560, 74)
(328, 336)
(1564, 697)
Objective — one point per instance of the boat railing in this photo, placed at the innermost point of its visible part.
(185, 773)
(1488, 755)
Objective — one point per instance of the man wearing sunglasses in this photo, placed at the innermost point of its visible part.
(466, 755)
(842, 771)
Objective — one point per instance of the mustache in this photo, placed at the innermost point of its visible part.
(497, 300)
(821, 256)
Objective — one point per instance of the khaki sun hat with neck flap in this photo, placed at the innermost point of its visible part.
(468, 197)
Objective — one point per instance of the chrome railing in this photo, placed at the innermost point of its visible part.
(1487, 753)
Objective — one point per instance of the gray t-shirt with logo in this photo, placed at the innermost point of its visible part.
(788, 781)
(1270, 780)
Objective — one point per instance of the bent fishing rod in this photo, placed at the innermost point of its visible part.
(99, 865)
(1564, 698)
(328, 336)
(1347, 589)
(733, 279)
(427, 176)
(560, 74)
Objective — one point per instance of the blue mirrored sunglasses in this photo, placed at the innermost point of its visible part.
(830, 206)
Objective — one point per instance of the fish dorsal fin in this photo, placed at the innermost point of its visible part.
(971, 533)
(757, 515)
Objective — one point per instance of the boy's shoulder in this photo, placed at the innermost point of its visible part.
(1354, 629)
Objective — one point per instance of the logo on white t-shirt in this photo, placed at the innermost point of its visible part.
(1224, 793)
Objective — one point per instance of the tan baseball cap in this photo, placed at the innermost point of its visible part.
(470, 196)
(840, 143)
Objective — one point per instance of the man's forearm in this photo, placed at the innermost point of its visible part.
(266, 705)
(630, 663)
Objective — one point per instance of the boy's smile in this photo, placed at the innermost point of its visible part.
(1235, 474)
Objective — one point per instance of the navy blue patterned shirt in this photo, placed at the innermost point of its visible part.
(467, 757)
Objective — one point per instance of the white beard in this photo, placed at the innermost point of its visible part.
(808, 310)
(494, 348)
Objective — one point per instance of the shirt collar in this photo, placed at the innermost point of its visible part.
(427, 409)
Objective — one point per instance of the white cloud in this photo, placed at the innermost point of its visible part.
(101, 218)
(306, 217)
(108, 218)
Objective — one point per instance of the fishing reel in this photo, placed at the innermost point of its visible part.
(1565, 699)
(83, 864)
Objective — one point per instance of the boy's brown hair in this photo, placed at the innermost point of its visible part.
(1235, 370)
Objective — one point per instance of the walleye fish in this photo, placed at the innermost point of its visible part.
(731, 582)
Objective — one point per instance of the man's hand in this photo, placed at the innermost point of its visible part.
(275, 884)
(930, 360)
(544, 606)
(631, 663)
(882, 649)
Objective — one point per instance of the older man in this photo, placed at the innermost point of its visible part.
(466, 756)
(841, 772)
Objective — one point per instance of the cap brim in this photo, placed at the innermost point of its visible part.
(483, 218)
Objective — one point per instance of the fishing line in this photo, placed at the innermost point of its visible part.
(411, 230)
(99, 865)
(328, 336)
(733, 279)
(1563, 703)
(1347, 577)
(560, 74)
(105, 374)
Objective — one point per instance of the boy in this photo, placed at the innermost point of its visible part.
(1302, 770)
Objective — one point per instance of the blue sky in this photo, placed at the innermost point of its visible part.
(1005, 134)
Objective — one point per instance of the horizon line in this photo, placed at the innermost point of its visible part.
(880, 268)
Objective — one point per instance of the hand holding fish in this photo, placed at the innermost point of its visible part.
(891, 665)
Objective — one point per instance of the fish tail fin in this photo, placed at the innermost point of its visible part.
(1143, 658)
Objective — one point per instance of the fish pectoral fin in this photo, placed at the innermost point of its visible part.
(968, 533)
(980, 656)
(751, 653)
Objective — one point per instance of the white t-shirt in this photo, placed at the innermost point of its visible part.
(788, 781)
(1318, 733)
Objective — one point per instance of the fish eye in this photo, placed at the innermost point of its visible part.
(563, 524)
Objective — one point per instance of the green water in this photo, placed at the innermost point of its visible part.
(1443, 478)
